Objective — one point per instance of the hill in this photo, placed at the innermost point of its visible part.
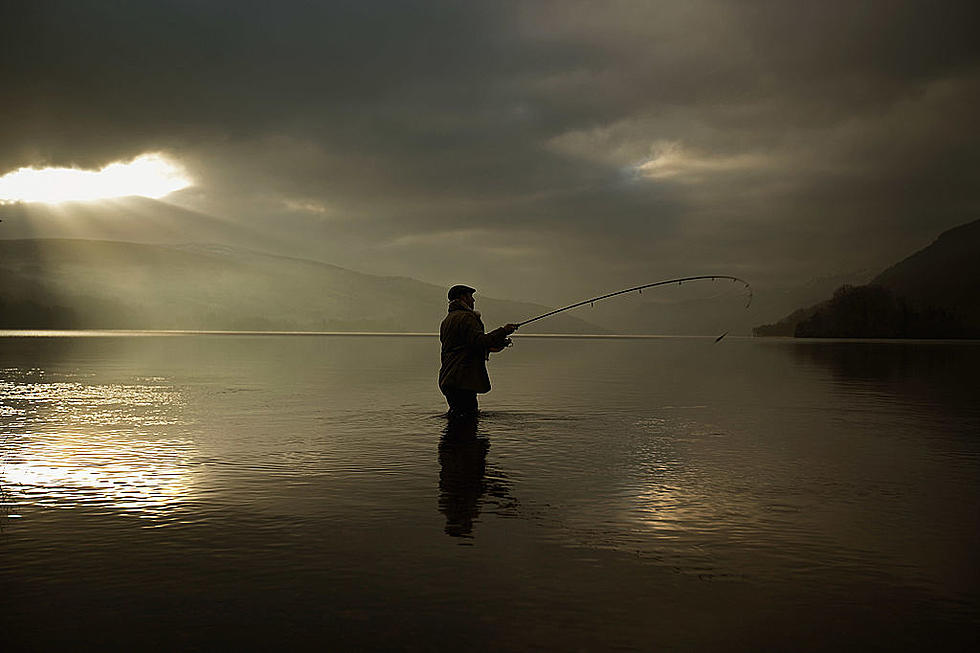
(699, 309)
(934, 293)
(946, 274)
(65, 283)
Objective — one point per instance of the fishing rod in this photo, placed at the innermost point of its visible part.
(640, 289)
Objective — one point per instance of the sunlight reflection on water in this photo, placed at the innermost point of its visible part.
(70, 444)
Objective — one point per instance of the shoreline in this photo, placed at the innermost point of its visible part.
(168, 333)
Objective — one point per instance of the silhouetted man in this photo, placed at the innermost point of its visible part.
(465, 351)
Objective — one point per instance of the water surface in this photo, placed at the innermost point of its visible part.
(201, 490)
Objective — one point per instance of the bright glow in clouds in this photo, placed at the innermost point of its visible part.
(671, 161)
(148, 175)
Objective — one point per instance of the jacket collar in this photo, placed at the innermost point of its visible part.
(458, 305)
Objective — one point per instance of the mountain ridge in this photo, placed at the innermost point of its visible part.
(82, 283)
(932, 293)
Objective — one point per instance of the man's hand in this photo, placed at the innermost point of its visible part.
(507, 343)
(511, 328)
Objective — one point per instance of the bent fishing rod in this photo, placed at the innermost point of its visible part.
(640, 289)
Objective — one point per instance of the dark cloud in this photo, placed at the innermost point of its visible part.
(575, 143)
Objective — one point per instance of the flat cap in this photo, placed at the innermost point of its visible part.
(459, 290)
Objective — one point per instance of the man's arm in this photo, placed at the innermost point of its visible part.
(496, 339)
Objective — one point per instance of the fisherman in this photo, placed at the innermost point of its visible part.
(465, 351)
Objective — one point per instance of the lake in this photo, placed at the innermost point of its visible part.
(201, 491)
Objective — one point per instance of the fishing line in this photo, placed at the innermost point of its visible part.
(640, 289)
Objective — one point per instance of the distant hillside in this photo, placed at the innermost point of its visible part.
(699, 309)
(64, 283)
(935, 293)
(946, 274)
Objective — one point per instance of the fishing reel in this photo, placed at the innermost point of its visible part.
(507, 343)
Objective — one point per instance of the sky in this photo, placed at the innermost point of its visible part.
(538, 150)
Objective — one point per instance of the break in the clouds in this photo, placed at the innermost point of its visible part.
(534, 148)
(148, 175)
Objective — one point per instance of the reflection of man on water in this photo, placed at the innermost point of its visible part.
(466, 484)
(462, 470)
(465, 351)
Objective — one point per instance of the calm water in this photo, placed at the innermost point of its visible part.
(275, 491)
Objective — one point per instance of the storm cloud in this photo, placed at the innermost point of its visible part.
(539, 150)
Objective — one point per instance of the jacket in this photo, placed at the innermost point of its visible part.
(465, 349)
